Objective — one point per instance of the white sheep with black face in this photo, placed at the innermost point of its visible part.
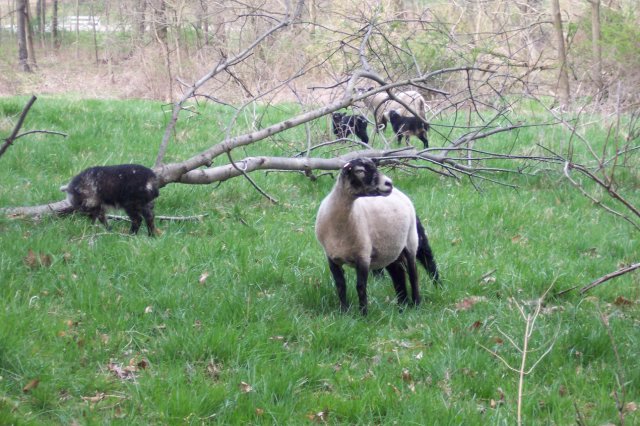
(367, 224)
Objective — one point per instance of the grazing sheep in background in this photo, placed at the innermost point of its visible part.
(345, 125)
(131, 187)
(368, 224)
(380, 104)
(408, 126)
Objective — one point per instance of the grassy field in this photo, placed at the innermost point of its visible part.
(234, 319)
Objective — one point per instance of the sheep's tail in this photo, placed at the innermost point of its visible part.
(425, 255)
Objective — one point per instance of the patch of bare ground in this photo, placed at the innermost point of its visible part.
(143, 74)
(64, 73)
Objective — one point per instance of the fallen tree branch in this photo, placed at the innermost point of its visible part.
(58, 208)
(609, 276)
(204, 176)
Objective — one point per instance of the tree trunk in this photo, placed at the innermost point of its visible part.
(55, 35)
(140, 22)
(40, 12)
(562, 95)
(31, 53)
(204, 21)
(595, 41)
(23, 54)
(160, 21)
(77, 29)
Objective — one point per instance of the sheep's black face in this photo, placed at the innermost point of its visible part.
(364, 179)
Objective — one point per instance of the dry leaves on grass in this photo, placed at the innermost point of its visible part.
(99, 396)
(31, 385)
(519, 239)
(408, 379)
(320, 416)
(129, 371)
(214, 370)
(622, 301)
(37, 260)
(494, 403)
(245, 387)
(469, 302)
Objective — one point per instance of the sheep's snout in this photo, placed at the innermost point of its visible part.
(385, 185)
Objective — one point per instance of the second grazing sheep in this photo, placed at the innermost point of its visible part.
(408, 126)
(380, 104)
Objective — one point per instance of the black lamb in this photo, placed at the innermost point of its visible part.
(409, 126)
(345, 125)
(131, 187)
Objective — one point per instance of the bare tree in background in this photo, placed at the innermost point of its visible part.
(23, 24)
(55, 33)
(563, 93)
(597, 47)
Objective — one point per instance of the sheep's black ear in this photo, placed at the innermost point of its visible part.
(376, 161)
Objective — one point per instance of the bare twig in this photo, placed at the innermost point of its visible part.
(609, 276)
(530, 321)
(14, 134)
(196, 218)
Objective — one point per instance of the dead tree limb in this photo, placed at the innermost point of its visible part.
(609, 276)
(14, 134)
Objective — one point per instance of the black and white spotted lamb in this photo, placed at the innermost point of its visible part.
(368, 224)
(408, 126)
(131, 187)
(345, 125)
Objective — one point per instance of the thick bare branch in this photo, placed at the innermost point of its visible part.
(609, 276)
(14, 134)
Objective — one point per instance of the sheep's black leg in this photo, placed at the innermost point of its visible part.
(413, 276)
(341, 286)
(396, 271)
(362, 273)
(136, 219)
(147, 214)
(101, 215)
(424, 139)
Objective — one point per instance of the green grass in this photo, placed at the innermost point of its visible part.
(267, 314)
